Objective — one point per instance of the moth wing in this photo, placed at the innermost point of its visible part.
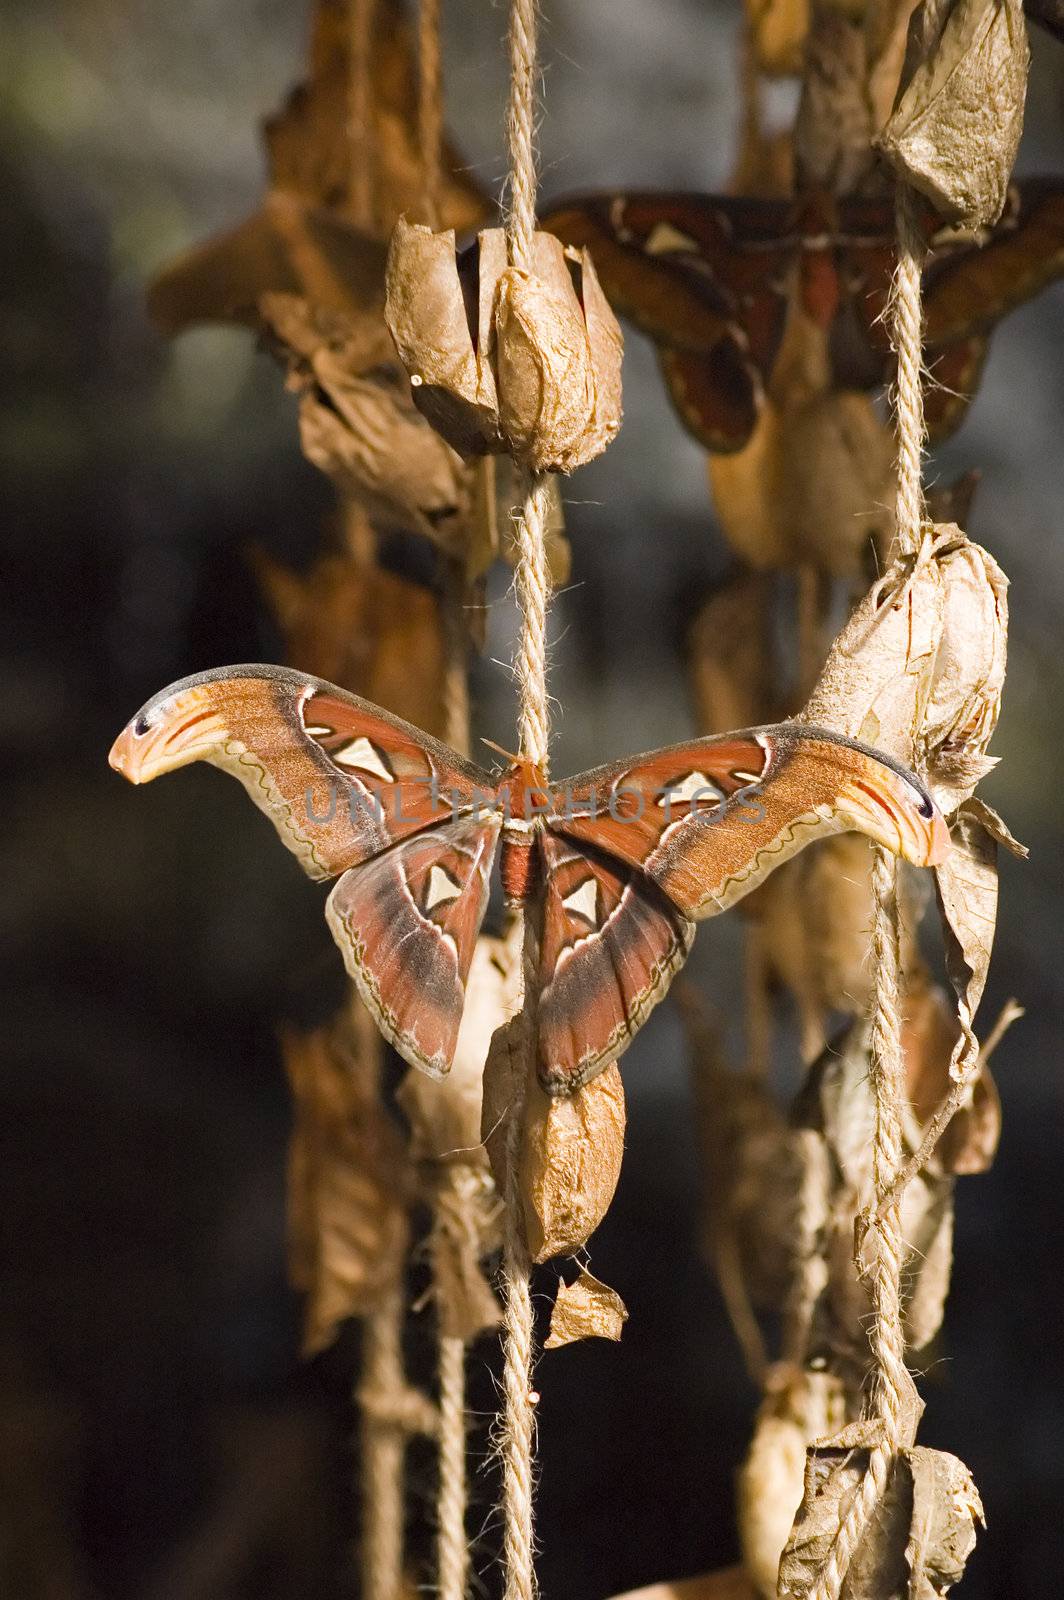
(407, 922)
(340, 779)
(611, 945)
(707, 821)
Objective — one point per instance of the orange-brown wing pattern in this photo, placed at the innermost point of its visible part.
(611, 945)
(340, 779)
(407, 924)
(708, 821)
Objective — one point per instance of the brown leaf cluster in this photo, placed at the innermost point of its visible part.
(570, 1152)
(914, 1548)
(359, 425)
(349, 1180)
(379, 634)
(502, 360)
(956, 125)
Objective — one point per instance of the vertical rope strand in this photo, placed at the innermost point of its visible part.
(520, 128)
(452, 1545)
(906, 321)
(360, 113)
(383, 1449)
(430, 107)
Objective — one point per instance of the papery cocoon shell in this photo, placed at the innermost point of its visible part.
(777, 32)
(956, 125)
(969, 674)
(805, 1407)
(586, 1309)
(504, 360)
(570, 1150)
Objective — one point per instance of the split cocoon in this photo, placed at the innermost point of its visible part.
(504, 361)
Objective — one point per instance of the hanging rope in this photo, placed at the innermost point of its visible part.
(383, 1448)
(360, 112)
(430, 108)
(532, 583)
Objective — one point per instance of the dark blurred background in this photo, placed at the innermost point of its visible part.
(157, 1427)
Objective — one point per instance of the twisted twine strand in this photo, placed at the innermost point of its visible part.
(456, 1220)
(906, 320)
(359, 111)
(532, 583)
(383, 1449)
(890, 1381)
(430, 107)
(520, 128)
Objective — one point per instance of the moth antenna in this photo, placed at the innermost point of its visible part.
(499, 750)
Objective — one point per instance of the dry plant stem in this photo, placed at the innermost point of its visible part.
(430, 105)
(383, 1450)
(883, 1236)
(359, 111)
(1011, 1011)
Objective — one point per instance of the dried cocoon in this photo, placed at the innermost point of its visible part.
(571, 1147)
(956, 125)
(533, 371)
(800, 1407)
(728, 656)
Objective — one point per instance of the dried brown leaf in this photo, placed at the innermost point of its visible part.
(349, 1181)
(946, 1507)
(833, 130)
(288, 246)
(309, 141)
(957, 121)
(534, 373)
(929, 1034)
(378, 634)
(914, 1548)
(359, 425)
(586, 1309)
(967, 883)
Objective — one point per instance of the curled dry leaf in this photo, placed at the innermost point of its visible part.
(730, 1583)
(359, 425)
(501, 360)
(967, 883)
(916, 1545)
(799, 1407)
(956, 125)
(571, 1147)
(929, 1034)
(310, 145)
(586, 1309)
(349, 1181)
(376, 632)
(288, 246)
